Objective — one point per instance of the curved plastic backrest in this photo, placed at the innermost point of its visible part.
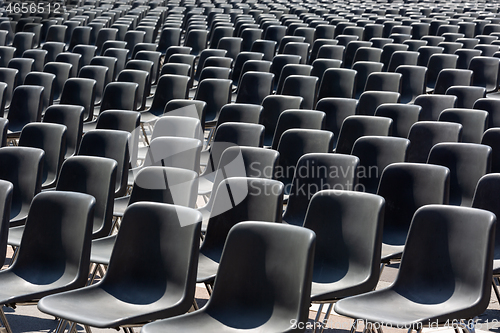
(175, 152)
(169, 87)
(70, 116)
(440, 229)
(338, 218)
(95, 176)
(297, 118)
(315, 172)
(356, 126)
(58, 233)
(271, 246)
(474, 122)
(26, 106)
(120, 96)
(467, 162)
(432, 105)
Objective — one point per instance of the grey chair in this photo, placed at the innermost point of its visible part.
(474, 122)
(315, 172)
(454, 294)
(342, 267)
(256, 284)
(468, 162)
(167, 272)
(354, 127)
(424, 135)
(64, 221)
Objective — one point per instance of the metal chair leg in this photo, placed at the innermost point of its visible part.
(87, 329)
(327, 316)
(318, 314)
(4, 321)
(72, 328)
(209, 288)
(354, 326)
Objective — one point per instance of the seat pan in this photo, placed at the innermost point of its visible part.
(207, 268)
(15, 235)
(390, 252)
(147, 117)
(120, 205)
(391, 308)
(101, 250)
(100, 308)
(233, 321)
(349, 285)
(17, 289)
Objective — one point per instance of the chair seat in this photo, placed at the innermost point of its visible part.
(89, 126)
(101, 250)
(20, 218)
(206, 184)
(15, 235)
(147, 117)
(391, 308)
(120, 205)
(101, 308)
(347, 286)
(225, 323)
(390, 252)
(207, 268)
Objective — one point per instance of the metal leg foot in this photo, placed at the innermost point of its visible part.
(4, 321)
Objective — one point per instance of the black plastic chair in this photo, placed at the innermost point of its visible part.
(364, 69)
(313, 173)
(22, 161)
(372, 54)
(342, 268)
(292, 69)
(52, 139)
(62, 72)
(25, 107)
(296, 118)
(273, 106)
(6, 54)
(303, 86)
(425, 134)
(490, 138)
(466, 95)
(64, 221)
(388, 50)
(449, 77)
(142, 79)
(438, 62)
(402, 115)
(295, 143)
(337, 82)
(70, 116)
(354, 127)
(255, 288)
(382, 81)
(369, 101)
(81, 92)
(453, 294)
(491, 105)
(485, 197)
(23, 65)
(8, 76)
(110, 63)
(53, 49)
(485, 72)
(467, 162)
(232, 201)
(331, 52)
(216, 93)
(406, 187)
(73, 59)
(166, 224)
(22, 41)
(375, 153)
(426, 52)
(474, 122)
(412, 82)
(433, 105)
(119, 96)
(465, 56)
(46, 80)
(254, 87)
(39, 56)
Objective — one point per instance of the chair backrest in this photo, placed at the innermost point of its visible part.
(6, 192)
(62, 72)
(336, 110)
(216, 93)
(412, 82)
(52, 139)
(22, 166)
(58, 233)
(338, 218)
(356, 126)
(337, 82)
(4, 124)
(433, 105)
(425, 134)
(168, 185)
(175, 152)
(119, 96)
(273, 106)
(474, 122)
(254, 87)
(402, 115)
(295, 143)
(297, 118)
(406, 187)
(440, 229)
(466, 95)
(166, 238)
(95, 176)
(303, 86)
(113, 144)
(169, 87)
(468, 162)
(80, 91)
(315, 172)
(272, 246)
(70, 116)
(375, 153)
(25, 107)
(369, 101)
